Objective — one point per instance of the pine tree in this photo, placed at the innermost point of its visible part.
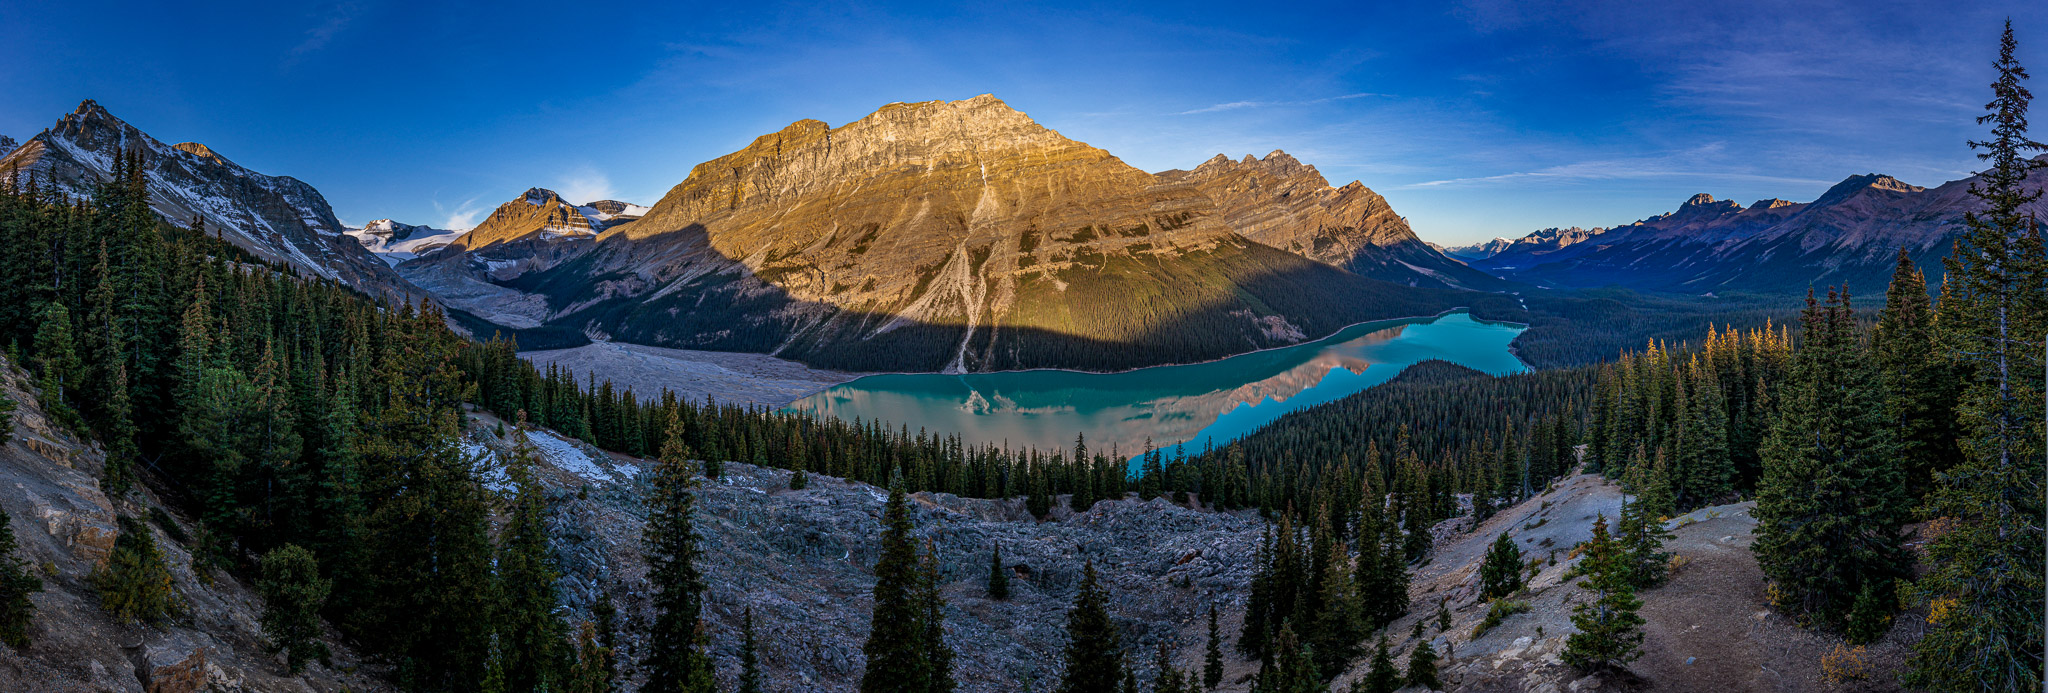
(1500, 574)
(675, 657)
(938, 656)
(533, 636)
(1918, 379)
(998, 576)
(1381, 678)
(1094, 656)
(1212, 656)
(57, 364)
(16, 584)
(1335, 629)
(1165, 678)
(293, 593)
(1642, 539)
(1986, 577)
(750, 665)
(1292, 668)
(1610, 633)
(134, 584)
(896, 655)
(1832, 503)
(589, 674)
(1709, 471)
(1422, 667)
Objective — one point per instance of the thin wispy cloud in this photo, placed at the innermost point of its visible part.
(333, 19)
(585, 184)
(1693, 164)
(463, 216)
(1236, 105)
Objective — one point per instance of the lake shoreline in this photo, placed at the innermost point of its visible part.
(1223, 398)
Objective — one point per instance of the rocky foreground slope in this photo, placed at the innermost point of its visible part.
(49, 486)
(801, 560)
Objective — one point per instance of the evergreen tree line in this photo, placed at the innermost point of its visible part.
(310, 431)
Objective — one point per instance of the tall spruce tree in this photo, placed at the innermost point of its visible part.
(896, 649)
(675, 655)
(534, 655)
(1500, 573)
(1832, 502)
(938, 656)
(134, 584)
(1986, 578)
(1094, 658)
(1422, 667)
(1292, 666)
(1709, 470)
(1381, 677)
(293, 593)
(1918, 378)
(1642, 538)
(1212, 655)
(998, 575)
(16, 584)
(57, 364)
(750, 660)
(1336, 627)
(1610, 633)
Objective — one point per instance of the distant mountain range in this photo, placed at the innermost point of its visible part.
(277, 218)
(1535, 244)
(1849, 235)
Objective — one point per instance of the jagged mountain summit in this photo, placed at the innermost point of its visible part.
(276, 218)
(542, 214)
(1849, 235)
(963, 236)
(1286, 204)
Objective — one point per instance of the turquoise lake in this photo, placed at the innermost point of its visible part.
(1217, 401)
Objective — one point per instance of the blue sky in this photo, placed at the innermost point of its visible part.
(1475, 119)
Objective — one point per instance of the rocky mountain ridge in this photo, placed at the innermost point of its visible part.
(1506, 252)
(277, 218)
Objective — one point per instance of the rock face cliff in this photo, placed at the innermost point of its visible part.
(1851, 234)
(963, 236)
(277, 218)
(1283, 203)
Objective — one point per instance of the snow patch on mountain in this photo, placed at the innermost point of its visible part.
(394, 242)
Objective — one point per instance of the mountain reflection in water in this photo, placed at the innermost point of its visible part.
(1217, 401)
